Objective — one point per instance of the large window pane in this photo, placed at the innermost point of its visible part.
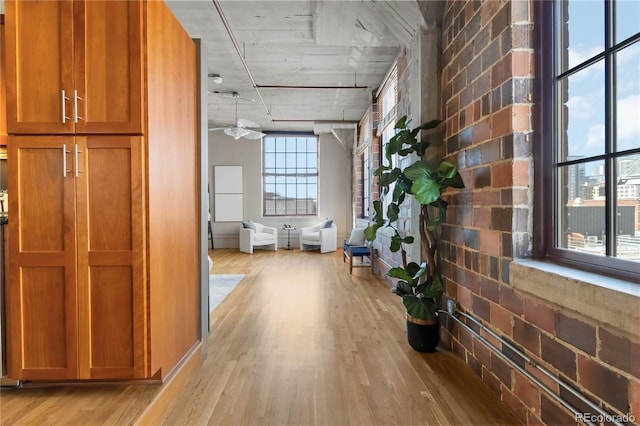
(581, 208)
(582, 30)
(627, 63)
(290, 188)
(628, 200)
(627, 19)
(582, 113)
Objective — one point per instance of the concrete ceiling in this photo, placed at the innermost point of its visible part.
(305, 64)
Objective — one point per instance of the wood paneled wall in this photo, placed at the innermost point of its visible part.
(172, 188)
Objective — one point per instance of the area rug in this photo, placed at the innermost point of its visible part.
(220, 285)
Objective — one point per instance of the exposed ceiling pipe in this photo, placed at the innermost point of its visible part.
(285, 86)
(257, 87)
(240, 55)
(317, 121)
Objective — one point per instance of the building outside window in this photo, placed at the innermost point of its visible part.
(591, 134)
(290, 175)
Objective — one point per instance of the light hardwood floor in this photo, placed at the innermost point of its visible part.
(298, 342)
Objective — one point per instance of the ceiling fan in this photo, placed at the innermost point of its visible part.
(242, 128)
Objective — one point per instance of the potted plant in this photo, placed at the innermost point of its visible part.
(419, 284)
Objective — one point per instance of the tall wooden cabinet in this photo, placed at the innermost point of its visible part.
(94, 290)
(77, 67)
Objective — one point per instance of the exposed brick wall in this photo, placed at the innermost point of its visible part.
(487, 81)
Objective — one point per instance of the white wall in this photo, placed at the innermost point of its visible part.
(334, 186)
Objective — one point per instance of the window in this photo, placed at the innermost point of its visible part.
(590, 135)
(387, 99)
(290, 175)
(366, 183)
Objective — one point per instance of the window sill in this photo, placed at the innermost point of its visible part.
(607, 300)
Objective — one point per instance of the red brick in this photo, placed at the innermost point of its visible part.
(576, 332)
(482, 353)
(526, 335)
(501, 319)
(482, 131)
(477, 110)
(540, 314)
(481, 217)
(489, 338)
(453, 105)
(501, 122)
(553, 414)
(522, 63)
(490, 242)
(489, 289)
(482, 177)
(515, 404)
(527, 392)
(543, 378)
(501, 71)
(521, 118)
(469, 114)
(558, 355)
(492, 381)
(486, 198)
(520, 173)
(490, 151)
(464, 298)
(619, 352)
(634, 390)
(605, 383)
(488, 10)
(501, 175)
(480, 307)
(510, 300)
(502, 218)
(502, 370)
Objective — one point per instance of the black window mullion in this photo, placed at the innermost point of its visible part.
(609, 107)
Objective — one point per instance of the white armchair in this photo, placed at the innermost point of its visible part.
(319, 237)
(257, 235)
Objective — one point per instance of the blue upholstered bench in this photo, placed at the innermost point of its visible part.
(356, 251)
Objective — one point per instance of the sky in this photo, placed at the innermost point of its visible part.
(586, 90)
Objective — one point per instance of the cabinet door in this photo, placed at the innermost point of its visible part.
(111, 277)
(39, 62)
(41, 287)
(74, 67)
(108, 66)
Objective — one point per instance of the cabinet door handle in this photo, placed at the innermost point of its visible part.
(77, 151)
(64, 160)
(76, 117)
(64, 107)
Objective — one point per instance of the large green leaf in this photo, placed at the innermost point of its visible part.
(402, 289)
(377, 212)
(419, 307)
(413, 268)
(426, 190)
(401, 123)
(433, 288)
(420, 169)
(400, 273)
(371, 231)
(449, 175)
(387, 179)
(430, 125)
(392, 212)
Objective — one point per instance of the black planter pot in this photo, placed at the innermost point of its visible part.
(423, 336)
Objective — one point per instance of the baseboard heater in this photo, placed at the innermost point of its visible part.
(579, 416)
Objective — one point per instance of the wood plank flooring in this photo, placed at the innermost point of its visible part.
(302, 342)
(298, 342)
